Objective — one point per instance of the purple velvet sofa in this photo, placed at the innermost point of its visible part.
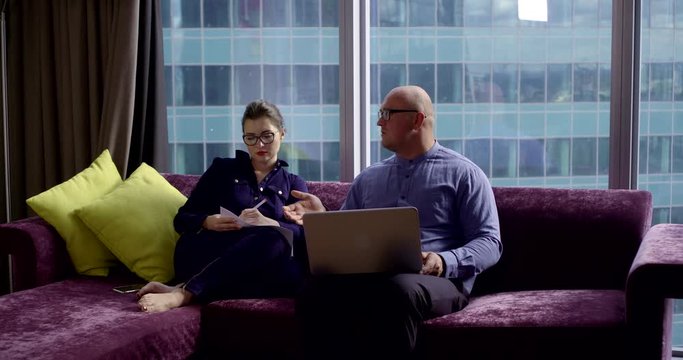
(583, 275)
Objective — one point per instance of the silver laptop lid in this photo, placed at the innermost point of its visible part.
(364, 241)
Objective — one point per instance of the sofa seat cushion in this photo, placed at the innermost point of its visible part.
(532, 324)
(83, 318)
(251, 328)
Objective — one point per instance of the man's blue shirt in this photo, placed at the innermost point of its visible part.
(458, 215)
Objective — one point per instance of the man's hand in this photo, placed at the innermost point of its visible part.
(431, 264)
(254, 217)
(307, 203)
(221, 223)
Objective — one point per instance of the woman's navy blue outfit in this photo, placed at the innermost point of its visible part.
(251, 262)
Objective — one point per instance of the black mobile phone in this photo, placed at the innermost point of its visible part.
(127, 289)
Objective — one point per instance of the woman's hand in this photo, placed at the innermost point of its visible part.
(307, 203)
(221, 223)
(254, 217)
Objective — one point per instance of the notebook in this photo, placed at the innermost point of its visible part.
(364, 241)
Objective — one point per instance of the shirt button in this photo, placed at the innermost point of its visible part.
(403, 197)
(261, 189)
(255, 197)
(236, 181)
(279, 192)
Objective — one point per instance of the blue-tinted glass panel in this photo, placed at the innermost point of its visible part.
(276, 13)
(168, 85)
(216, 13)
(559, 82)
(390, 76)
(585, 82)
(165, 11)
(532, 83)
(677, 218)
(477, 83)
(603, 156)
(659, 155)
(557, 157)
(449, 13)
(306, 84)
(188, 85)
(449, 83)
(661, 84)
(247, 83)
(678, 78)
(455, 145)
(605, 19)
(586, 13)
(331, 164)
(422, 13)
(531, 157)
(187, 15)
(479, 151)
(330, 84)
(677, 155)
(278, 87)
(391, 13)
(504, 83)
(502, 14)
(661, 13)
(642, 155)
(308, 166)
(504, 158)
(217, 89)
(584, 156)
(660, 215)
(330, 10)
(246, 13)
(189, 158)
(605, 82)
(644, 82)
(560, 13)
(306, 13)
(477, 13)
(214, 150)
(422, 75)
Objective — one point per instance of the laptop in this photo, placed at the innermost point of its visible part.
(364, 241)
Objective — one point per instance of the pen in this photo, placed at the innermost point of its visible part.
(259, 204)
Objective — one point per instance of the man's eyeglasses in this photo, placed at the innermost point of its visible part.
(385, 114)
(266, 137)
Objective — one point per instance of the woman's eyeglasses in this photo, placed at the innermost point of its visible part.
(385, 114)
(266, 137)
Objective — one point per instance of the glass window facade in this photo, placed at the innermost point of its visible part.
(528, 101)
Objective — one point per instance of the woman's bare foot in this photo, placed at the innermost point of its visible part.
(155, 287)
(158, 302)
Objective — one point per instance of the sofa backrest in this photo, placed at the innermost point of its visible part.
(552, 238)
(331, 193)
(566, 239)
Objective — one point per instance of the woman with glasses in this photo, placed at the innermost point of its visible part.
(233, 234)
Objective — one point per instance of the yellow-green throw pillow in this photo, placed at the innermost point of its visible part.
(57, 204)
(135, 221)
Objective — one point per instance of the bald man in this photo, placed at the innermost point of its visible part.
(345, 316)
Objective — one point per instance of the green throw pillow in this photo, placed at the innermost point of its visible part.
(135, 222)
(57, 205)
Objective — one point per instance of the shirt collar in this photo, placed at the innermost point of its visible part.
(429, 154)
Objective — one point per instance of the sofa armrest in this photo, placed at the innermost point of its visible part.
(38, 253)
(654, 279)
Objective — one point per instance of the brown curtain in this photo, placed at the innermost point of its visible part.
(84, 77)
